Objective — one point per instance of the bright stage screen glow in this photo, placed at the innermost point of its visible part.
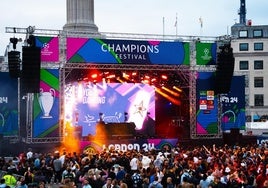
(87, 103)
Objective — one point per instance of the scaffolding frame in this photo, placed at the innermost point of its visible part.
(186, 73)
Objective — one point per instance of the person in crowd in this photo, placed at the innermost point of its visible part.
(169, 183)
(156, 183)
(134, 163)
(57, 167)
(3, 183)
(21, 183)
(108, 183)
(86, 183)
(123, 185)
(10, 179)
(136, 179)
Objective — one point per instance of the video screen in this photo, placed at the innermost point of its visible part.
(88, 103)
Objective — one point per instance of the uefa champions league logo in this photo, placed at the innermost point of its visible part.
(206, 55)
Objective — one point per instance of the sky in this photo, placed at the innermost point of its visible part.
(134, 16)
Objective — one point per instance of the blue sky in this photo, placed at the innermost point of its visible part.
(135, 16)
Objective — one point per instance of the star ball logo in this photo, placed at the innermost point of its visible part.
(46, 49)
(206, 55)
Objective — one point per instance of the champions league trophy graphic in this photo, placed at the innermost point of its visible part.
(46, 100)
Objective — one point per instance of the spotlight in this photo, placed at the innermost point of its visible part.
(31, 41)
(14, 41)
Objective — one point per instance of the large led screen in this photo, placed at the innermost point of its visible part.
(88, 103)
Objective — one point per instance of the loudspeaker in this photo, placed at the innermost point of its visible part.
(224, 71)
(31, 60)
(14, 64)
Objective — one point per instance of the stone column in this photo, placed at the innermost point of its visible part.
(80, 16)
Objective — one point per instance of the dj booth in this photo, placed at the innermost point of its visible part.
(110, 130)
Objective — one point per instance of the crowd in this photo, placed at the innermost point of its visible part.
(181, 166)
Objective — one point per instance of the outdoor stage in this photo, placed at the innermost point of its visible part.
(165, 87)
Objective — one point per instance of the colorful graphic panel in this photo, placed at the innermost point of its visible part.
(127, 51)
(8, 105)
(88, 103)
(233, 105)
(206, 53)
(46, 105)
(49, 48)
(207, 105)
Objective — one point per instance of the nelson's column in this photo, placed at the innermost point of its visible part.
(80, 16)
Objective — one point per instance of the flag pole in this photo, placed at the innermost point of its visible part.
(201, 25)
(176, 24)
(163, 27)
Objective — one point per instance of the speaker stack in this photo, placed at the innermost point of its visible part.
(225, 69)
(14, 64)
(30, 78)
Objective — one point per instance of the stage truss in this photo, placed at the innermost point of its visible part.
(186, 73)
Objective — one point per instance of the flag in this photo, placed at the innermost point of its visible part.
(201, 22)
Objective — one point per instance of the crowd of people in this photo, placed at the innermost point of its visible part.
(181, 166)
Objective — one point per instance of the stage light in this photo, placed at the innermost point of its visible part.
(164, 77)
(134, 74)
(94, 76)
(177, 89)
(170, 91)
(125, 75)
(14, 41)
(153, 80)
(31, 41)
(165, 95)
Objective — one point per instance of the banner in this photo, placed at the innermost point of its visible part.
(128, 145)
(46, 105)
(207, 104)
(233, 105)
(49, 48)
(8, 105)
(84, 50)
(206, 53)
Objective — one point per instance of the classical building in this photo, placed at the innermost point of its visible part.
(250, 47)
